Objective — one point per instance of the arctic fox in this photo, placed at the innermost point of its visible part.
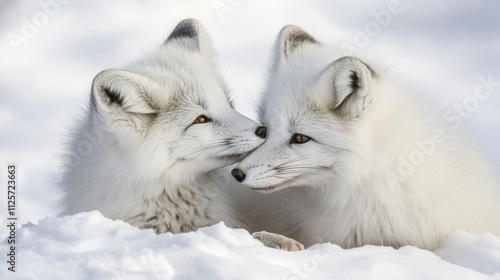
(163, 129)
(340, 136)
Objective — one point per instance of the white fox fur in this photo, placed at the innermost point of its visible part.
(140, 156)
(380, 168)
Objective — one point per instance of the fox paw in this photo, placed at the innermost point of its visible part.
(277, 241)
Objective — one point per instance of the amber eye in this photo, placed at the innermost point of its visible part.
(299, 139)
(202, 119)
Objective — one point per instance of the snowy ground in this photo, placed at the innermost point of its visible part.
(45, 78)
(89, 246)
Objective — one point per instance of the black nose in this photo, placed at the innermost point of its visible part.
(238, 175)
(261, 132)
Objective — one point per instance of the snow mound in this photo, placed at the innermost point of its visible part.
(90, 246)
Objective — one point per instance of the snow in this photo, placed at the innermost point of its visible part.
(444, 46)
(90, 246)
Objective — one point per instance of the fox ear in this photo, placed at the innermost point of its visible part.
(191, 35)
(290, 38)
(119, 95)
(352, 83)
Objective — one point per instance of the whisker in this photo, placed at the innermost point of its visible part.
(297, 159)
(210, 147)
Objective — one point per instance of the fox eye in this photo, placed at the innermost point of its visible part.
(202, 119)
(299, 139)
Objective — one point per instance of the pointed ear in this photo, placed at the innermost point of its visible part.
(191, 35)
(291, 38)
(119, 95)
(352, 83)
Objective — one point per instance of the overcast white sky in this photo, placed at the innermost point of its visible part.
(44, 82)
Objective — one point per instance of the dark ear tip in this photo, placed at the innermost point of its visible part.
(103, 74)
(293, 31)
(349, 58)
(189, 22)
(359, 62)
(290, 28)
(292, 36)
(187, 28)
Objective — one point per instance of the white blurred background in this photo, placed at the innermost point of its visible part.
(50, 51)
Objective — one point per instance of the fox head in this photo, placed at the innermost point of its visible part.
(169, 114)
(313, 101)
